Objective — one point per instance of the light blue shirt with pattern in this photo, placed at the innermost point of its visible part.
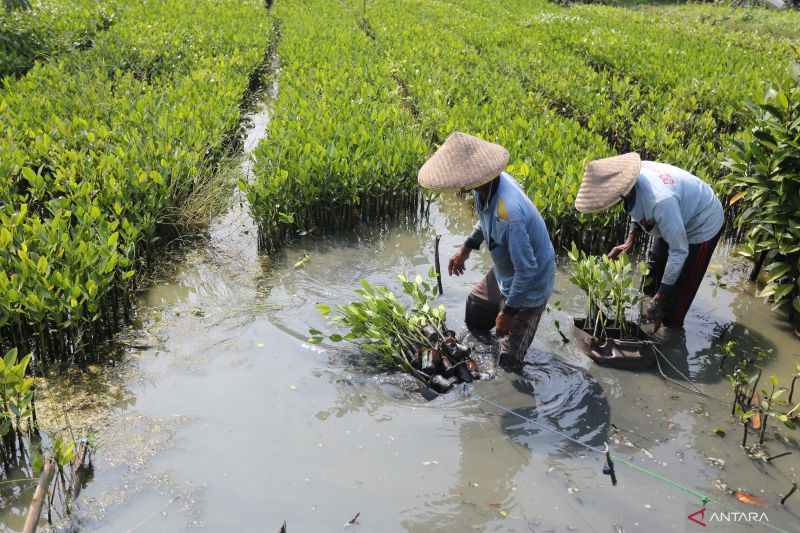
(517, 237)
(677, 206)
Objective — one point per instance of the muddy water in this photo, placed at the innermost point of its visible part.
(226, 419)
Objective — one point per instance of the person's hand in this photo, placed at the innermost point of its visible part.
(617, 251)
(504, 324)
(456, 264)
(655, 311)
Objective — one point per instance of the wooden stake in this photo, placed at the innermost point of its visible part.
(35, 510)
(436, 264)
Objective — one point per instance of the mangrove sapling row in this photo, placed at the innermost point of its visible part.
(341, 148)
(414, 340)
(670, 125)
(458, 84)
(538, 88)
(765, 181)
(102, 151)
(41, 30)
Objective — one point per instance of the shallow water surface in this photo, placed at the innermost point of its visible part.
(230, 421)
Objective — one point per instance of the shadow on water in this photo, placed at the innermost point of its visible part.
(567, 399)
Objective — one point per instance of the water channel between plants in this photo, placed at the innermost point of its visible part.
(225, 418)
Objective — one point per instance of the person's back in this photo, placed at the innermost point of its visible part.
(700, 209)
(512, 217)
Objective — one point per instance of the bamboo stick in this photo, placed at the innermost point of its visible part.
(35, 510)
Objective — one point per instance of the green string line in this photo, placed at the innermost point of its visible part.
(702, 497)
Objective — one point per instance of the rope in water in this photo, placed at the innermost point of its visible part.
(694, 388)
(705, 499)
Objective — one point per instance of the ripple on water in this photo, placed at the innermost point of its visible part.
(563, 397)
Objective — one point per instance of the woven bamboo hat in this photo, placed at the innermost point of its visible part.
(607, 181)
(463, 162)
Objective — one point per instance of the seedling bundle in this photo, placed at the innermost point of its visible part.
(413, 340)
(606, 334)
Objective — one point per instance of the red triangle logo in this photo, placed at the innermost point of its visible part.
(701, 520)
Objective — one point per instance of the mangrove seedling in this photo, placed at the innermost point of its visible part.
(744, 417)
(727, 353)
(608, 284)
(16, 406)
(557, 323)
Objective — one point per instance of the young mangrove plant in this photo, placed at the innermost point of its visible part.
(754, 406)
(771, 406)
(384, 326)
(608, 284)
(17, 412)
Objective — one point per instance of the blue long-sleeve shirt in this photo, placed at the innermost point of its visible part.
(677, 206)
(523, 256)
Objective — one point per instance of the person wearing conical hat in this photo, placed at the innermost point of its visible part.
(512, 295)
(679, 210)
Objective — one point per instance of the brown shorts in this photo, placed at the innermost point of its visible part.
(484, 303)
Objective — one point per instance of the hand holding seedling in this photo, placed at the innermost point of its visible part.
(456, 264)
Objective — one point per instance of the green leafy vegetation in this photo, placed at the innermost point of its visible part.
(341, 148)
(765, 181)
(557, 87)
(753, 407)
(41, 30)
(101, 152)
(608, 284)
(384, 326)
(17, 412)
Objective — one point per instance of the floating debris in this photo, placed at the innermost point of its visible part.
(353, 520)
(303, 261)
(746, 497)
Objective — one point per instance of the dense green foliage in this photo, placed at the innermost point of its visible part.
(343, 139)
(556, 86)
(99, 150)
(765, 162)
(46, 28)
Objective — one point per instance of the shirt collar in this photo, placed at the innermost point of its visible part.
(484, 206)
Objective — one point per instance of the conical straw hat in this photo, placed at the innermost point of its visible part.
(607, 181)
(463, 162)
